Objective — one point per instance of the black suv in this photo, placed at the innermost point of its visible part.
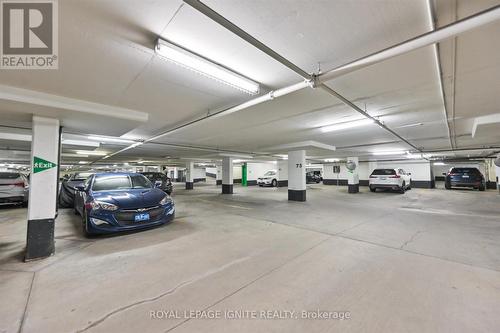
(160, 180)
(465, 177)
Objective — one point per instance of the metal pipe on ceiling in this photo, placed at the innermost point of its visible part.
(436, 49)
(468, 23)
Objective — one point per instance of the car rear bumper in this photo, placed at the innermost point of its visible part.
(6, 200)
(461, 184)
(389, 186)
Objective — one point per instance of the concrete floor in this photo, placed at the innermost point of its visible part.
(426, 261)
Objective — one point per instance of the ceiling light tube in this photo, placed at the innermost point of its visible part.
(196, 63)
(346, 125)
(91, 152)
(80, 143)
(106, 139)
(383, 153)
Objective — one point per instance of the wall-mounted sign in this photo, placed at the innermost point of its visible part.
(39, 164)
(336, 169)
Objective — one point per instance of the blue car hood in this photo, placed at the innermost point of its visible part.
(131, 199)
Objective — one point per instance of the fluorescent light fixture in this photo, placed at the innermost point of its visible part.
(413, 156)
(80, 143)
(83, 162)
(331, 160)
(384, 153)
(107, 139)
(439, 163)
(91, 152)
(346, 125)
(200, 65)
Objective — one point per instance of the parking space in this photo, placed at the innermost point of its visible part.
(422, 255)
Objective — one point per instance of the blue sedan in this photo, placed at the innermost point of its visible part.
(111, 202)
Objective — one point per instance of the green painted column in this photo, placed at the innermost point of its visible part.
(244, 174)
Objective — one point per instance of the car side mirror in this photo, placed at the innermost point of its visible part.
(80, 188)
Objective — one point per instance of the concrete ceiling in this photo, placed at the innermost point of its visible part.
(107, 58)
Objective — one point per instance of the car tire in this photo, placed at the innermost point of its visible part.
(482, 188)
(447, 186)
(274, 183)
(84, 224)
(260, 185)
(402, 188)
(75, 211)
(373, 189)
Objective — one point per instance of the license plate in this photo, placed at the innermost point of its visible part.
(142, 217)
(383, 178)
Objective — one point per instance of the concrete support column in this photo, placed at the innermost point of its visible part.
(189, 175)
(282, 173)
(227, 175)
(218, 175)
(297, 175)
(352, 166)
(42, 205)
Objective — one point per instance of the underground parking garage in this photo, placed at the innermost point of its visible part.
(270, 166)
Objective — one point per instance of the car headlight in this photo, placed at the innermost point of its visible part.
(103, 205)
(167, 199)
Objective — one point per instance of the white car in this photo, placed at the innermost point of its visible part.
(13, 188)
(270, 178)
(394, 179)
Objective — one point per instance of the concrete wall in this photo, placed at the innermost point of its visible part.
(211, 172)
(256, 170)
(420, 170)
(237, 173)
(199, 174)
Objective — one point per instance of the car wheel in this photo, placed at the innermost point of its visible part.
(260, 185)
(447, 186)
(482, 187)
(75, 211)
(373, 189)
(274, 183)
(402, 188)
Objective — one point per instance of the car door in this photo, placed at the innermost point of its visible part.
(81, 195)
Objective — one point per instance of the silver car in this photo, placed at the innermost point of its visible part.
(270, 178)
(13, 188)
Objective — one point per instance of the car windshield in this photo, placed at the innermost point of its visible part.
(383, 172)
(270, 173)
(120, 182)
(82, 175)
(9, 175)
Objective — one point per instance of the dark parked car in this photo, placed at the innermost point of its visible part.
(111, 202)
(160, 180)
(68, 185)
(313, 177)
(13, 188)
(465, 177)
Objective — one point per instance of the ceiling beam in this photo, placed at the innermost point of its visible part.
(14, 94)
